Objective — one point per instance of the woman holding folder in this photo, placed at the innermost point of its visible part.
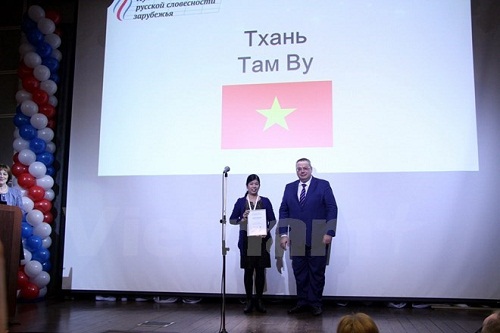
(256, 218)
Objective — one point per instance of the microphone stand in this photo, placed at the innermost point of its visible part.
(224, 251)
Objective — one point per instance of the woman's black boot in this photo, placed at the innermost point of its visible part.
(248, 306)
(260, 306)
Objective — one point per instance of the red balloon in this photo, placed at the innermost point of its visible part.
(51, 124)
(53, 15)
(18, 169)
(30, 84)
(24, 71)
(48, 217)
(22, 279)
(26, 180)
(36, 193)
(48, 110)
(30, 291)
(15, 158)
(43, 205)
(40, 97)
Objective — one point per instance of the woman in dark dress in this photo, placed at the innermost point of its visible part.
(254, 250)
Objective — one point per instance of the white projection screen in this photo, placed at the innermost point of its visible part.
(379, 95)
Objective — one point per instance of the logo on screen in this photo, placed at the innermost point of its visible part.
(145, 10)
(121, 8)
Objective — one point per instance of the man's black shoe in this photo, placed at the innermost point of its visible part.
(316, 310)
(297, 309)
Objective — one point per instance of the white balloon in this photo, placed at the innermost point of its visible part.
(32, 268)
(32, 59)
(36, 13)
(53, 101)
(39, 120)
(37, 169)
(45, 182)
(57, 54)
(22, 95)
(49, 86)
(46, 242)
(42, 292)
(26, 47)
(42, 230)
(46, 26)
(49, 194)
(34, 217)
(51, 147)
(16, 133)
(29, 108)
(54, 41)
(26, 156)
(41, 280)
(41, 73)
(20, 144)
(46, 134)
(24, 192)
(27, 257)
(28, 204)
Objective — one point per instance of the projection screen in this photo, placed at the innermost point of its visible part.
(379, 95)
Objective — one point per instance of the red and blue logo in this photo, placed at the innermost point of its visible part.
(121, 8)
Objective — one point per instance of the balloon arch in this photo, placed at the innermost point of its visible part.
(33, 160)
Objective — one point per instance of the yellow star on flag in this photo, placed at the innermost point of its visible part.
(276, 115)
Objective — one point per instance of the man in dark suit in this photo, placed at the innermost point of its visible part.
(307, 223)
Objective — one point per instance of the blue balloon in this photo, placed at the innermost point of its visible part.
(27, 24)
(44, 49)
(33, 243)
(27, 132)
(54, 77)
(51, 63)
(46, 266)
(45, 157)
(51, 171)
(34, 36)
(41, 255)
(37, 145)
(21, 119)
(26, 230)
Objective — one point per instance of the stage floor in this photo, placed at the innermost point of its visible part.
(91, 316)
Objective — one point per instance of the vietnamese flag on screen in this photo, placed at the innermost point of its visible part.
(277, 115)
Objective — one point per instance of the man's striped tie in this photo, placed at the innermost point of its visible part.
(302, 195)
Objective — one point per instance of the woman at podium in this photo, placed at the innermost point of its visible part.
(9, 195)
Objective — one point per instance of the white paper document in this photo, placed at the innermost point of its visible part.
(257, 224)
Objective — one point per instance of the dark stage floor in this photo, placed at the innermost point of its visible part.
(90, 316)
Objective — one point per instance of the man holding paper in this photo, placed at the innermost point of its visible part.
(255, 216)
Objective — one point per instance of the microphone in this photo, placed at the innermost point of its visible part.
(226, 169)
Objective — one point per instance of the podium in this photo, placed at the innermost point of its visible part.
(10, 237)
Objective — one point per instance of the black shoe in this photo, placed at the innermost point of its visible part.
(260, 307)
(248, 306)
(297, 309)
(316, 310)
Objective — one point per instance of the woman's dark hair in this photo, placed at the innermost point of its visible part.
(251, 178)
